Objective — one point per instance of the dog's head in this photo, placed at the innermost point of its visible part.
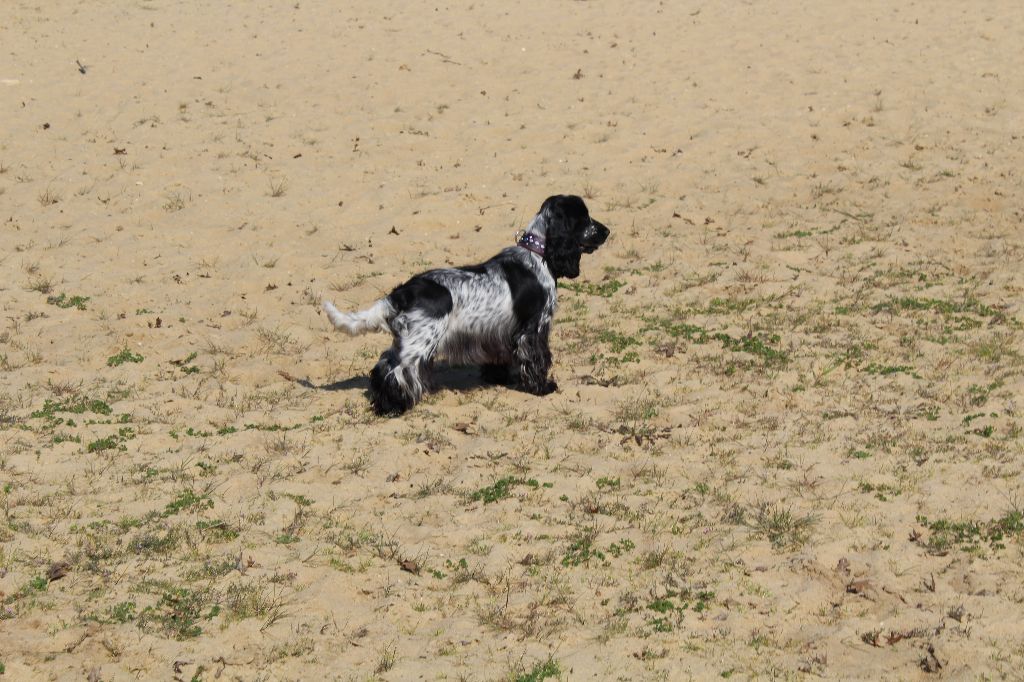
(569, 232)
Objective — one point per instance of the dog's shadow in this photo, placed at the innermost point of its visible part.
(443, 377)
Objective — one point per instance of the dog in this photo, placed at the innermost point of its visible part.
(496, 314)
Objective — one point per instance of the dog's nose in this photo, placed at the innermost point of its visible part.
(597, 233)
(594, 236)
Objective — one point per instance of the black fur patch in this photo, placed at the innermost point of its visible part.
(386, 396)
(528, 296)
(424, 295)
(495, 374)
(475, 269)
(570, 234)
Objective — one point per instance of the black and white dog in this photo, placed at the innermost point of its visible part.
(496, 314)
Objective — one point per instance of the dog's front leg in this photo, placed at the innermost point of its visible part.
(533, 356)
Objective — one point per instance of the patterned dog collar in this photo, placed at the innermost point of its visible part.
(532, 242)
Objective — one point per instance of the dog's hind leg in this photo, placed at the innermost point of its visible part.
(400, 378)
(389, 395)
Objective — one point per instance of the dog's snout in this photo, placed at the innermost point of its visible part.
(595, 235)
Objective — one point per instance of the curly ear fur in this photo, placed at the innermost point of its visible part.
(565, 218)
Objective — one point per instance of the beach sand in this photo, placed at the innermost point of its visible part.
(787, 440)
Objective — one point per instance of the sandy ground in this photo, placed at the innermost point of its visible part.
(787, 441)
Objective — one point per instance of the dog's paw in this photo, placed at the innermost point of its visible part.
(546, 388)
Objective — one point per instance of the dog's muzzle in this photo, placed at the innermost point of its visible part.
(594, 236)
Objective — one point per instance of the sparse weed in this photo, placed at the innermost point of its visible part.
(782, 528)
(539, 671)
(604, 289)
(179, 613)
(64, 301)
(501, 489)
(971, 536)
(278, 187)
(49, 197)
(125, 355)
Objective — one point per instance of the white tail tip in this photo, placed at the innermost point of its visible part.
(336, 317)
(373, 319)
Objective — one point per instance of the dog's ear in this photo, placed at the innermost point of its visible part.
(565, 219)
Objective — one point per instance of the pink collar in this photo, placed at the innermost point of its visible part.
(532, 242)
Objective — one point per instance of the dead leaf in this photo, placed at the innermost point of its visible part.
(931, 663)
(861, 587)
(57, 570)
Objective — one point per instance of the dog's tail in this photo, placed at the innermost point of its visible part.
(373, 319)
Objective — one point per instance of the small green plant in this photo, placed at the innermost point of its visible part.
(781, 527)
(122, 612)
(604, 289)
(618, 342)
(249, 599)
(540, 671)
(671, 607)
(623, 546)
(66, 438)
(501, 489)
(970, 536)
(945, 308)
(50, 408)
(178, 613)
(978, 395)
(581, 549)
(886, 370)
(117, 440)
(64, 301)
(763, 346)
(882, 491)
(386, 658)
(184, 364)
(101, 444)
(187, 500)
(971, 417)
(216, 530)
(799, 234)
(125, 355)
